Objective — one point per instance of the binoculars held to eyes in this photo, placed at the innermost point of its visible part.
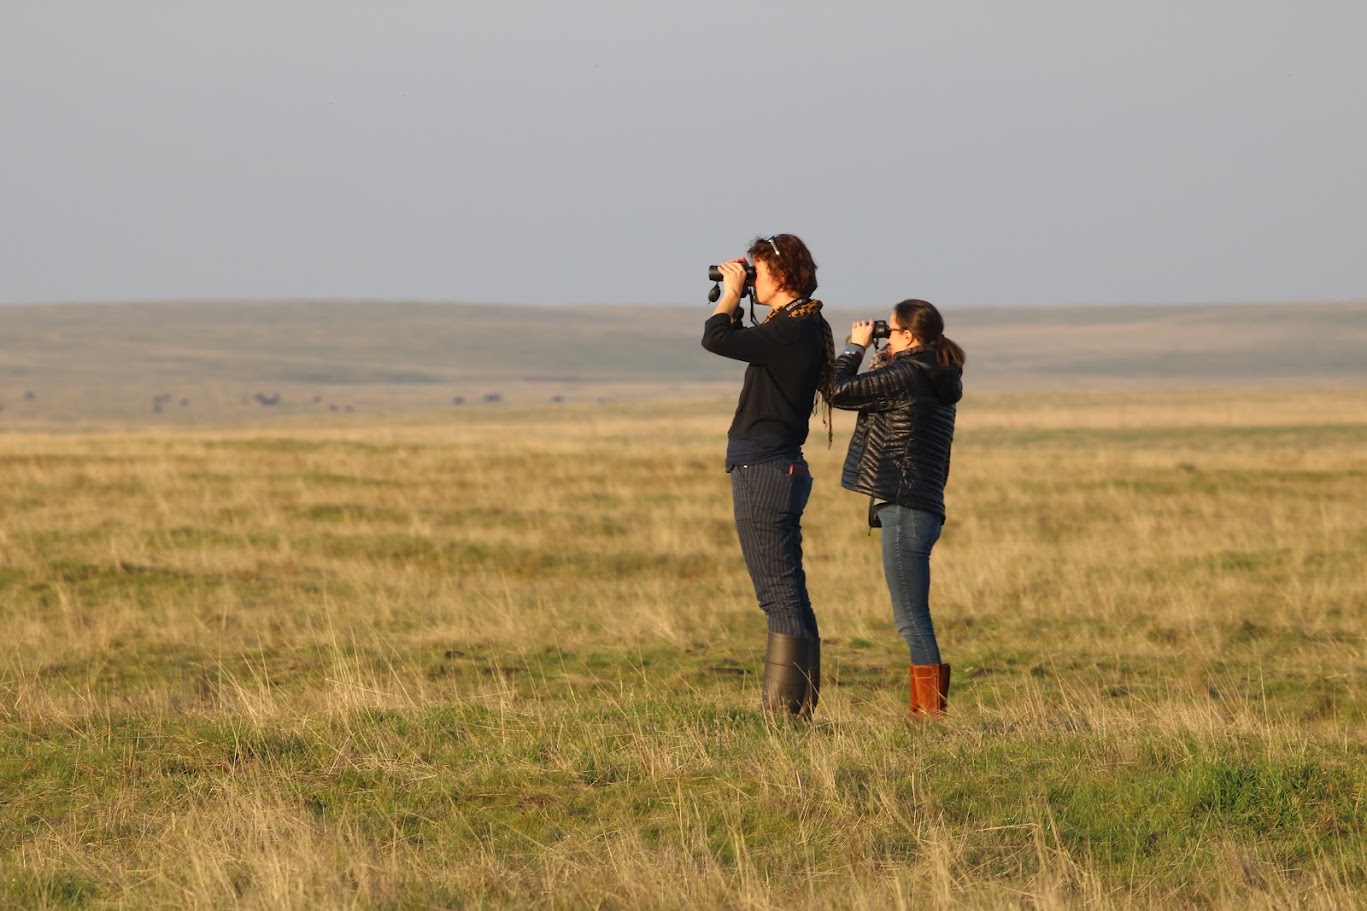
(714, 275)
(880, 329)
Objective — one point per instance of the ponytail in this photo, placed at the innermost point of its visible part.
(947, 352)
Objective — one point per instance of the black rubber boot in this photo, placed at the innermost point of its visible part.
(792, 675)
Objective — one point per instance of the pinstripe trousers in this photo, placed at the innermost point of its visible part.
(768, 499)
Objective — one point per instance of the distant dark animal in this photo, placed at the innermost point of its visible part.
(349, 409)
(458, 400)
(272, 399)
(332, 407)
(492, 397)
(184, 403)
(557, 399)
(30, 395)
(317, 399)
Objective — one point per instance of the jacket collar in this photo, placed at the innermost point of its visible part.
(912, 352)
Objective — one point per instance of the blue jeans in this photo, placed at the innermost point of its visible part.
(768, 499)
(908, 536)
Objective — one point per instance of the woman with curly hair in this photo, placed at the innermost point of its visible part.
(789, 356)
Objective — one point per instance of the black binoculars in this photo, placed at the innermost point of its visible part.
(714, 274)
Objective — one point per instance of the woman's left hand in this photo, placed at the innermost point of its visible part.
(861, 332)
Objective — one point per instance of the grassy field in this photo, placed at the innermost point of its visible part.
(509, 658)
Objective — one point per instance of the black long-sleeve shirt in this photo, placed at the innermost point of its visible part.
(785, 357)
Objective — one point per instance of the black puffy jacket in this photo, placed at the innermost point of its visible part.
(901, 443)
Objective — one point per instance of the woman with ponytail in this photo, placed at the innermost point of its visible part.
(899, 456)
(790, 359)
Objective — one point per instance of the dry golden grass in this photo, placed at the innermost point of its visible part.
(508, 658)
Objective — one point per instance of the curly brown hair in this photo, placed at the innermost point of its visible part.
(792, 264)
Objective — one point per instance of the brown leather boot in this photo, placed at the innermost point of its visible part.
(792, 675)
(929, 689)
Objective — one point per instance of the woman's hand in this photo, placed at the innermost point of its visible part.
(861, 332)
(733, 283)
(733, 279)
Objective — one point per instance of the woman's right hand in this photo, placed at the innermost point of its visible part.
(861, 332)
(733, 280)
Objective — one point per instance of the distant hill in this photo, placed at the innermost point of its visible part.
(225, 360)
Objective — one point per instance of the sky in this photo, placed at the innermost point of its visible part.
(970, 153)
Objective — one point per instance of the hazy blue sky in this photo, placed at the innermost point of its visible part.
(970, 153)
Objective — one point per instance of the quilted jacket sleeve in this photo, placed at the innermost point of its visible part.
(878, 390)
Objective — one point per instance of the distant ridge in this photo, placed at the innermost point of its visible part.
(110, 359)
